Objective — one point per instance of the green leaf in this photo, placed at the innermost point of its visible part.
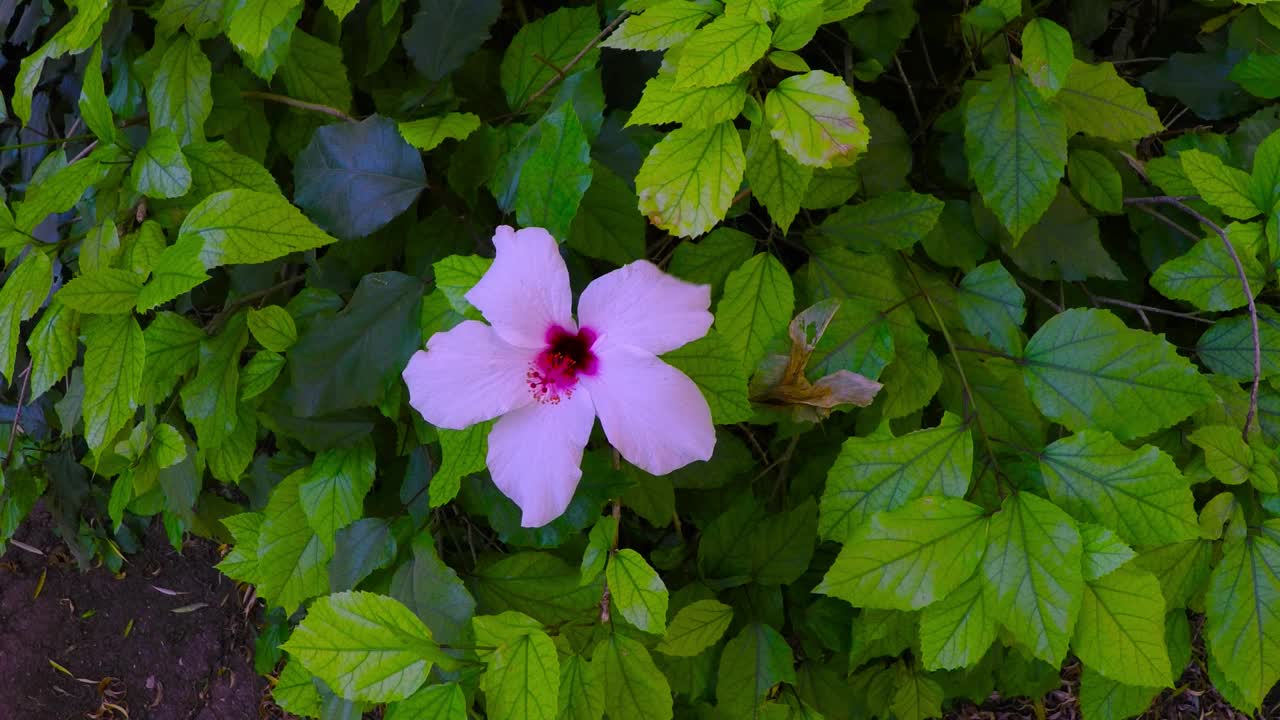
(341, 8)
(354, 178)
(956, 631)
(1222, 186)
(581, 690)
(160, 170)
(991, 304)
(1242, 628)
(60, 191)
(756, 307)
(1085, 369)
(253, 22)
(364, 646)
(446, 701)
(1226, 454)
(93, 99)
(216, 167)
(1227, 346)
(1103, 551)
(556, 175)
(638, 592)
(694, 108)
(1139, 493)
(273, 327)
(1258, 74)
(438, 48)
(1264, 183)
(634, 688)
(710, 261)
(697, 626)
(249, 227)
(100, 248)
(1182, 568)
(1106, 699)
(775, 178)
(173, 348)
(464, 453)
(716, 368)
(434, 592)
(428, 133)
(720, 51)
(179, 95)
(81, 32)
(550, 42)
(350, 360)
(242, 562)
(1016, 144)
(599, 543)
(209, 399)
(607, 225)
(908, 558)
(687, 181)
(178, 270)
(893, 221)
(228, 461)
(21, 296)
(1064, 245)
(1206, 275)
(1032, 577)
(107, 291)
(660, 26)
(260, 373)
(1120, 633)
(783, 545)
(816, 119)
(295, 692)
(523, 680)
(333, 492)
(1096, 180)
(873, 474)
(113, 360)
(168, 447)
(52, 346)
(1096, 101)
(753, 662)
(1046, 55)
(917, 696)
(315, 72)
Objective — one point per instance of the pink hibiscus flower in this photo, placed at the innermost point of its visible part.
(547, 378)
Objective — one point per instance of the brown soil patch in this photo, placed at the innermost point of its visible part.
(193, 664)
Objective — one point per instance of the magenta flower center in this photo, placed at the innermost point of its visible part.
(553, 374)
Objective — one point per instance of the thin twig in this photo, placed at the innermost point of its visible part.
(928, 61)
(1168, 221)
(243, 300)
(608, 29)
(970, 398)
(54, 141)
(84, 152)
(1040, 296)
(1137, 307)
(911, 95)
(1244, 282)
(300, 104)
(23, 384)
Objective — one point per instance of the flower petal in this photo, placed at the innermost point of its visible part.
(652, 413)
(526, 290)
(467, 375)
(641, 306)
(535, 455)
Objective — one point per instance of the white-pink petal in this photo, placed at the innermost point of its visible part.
(653, 414)
(535, 455)
(526, 290)
(641, 306)
(467, 375)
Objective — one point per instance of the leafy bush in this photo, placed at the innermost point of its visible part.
(1047, 230)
